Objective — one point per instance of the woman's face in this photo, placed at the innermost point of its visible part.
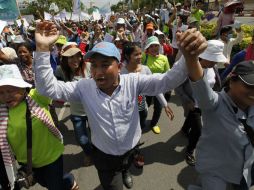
(153, 49)
(136, 56)
(11, 95)
(74, 61)
(24, 54)
(242, 94)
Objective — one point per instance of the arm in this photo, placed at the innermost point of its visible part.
(238, 38)
(46, 34)
(159, 83)
(235, 60)
(206, 97)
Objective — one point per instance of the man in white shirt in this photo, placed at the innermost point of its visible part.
(110, 99)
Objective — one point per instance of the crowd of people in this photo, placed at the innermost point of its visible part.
(110, 72)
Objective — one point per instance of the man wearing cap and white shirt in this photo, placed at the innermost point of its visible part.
(110, 99)
(192, 125)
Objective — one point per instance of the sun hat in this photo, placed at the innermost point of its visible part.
(149, 26)
(178, 4)
(120, 21)
(61, 40)
(105, 48)
(245, 71)
(18, 39)
(10, 75)
(70, 49)
(233, 2)
(152, 40)
(158, 32)
(9, 52)
(214, 52)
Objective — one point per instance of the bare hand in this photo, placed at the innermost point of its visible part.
(169, 112)
(191, 43)
(46, 34)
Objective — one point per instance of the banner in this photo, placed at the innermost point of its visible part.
(8, 10)
(76, 6)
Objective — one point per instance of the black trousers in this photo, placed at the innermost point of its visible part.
(156, 109)
(192, 125)
(110, 168)
(142, 118)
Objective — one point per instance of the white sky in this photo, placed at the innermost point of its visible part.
(99, 3)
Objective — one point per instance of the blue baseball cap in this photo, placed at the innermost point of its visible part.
(105, 48)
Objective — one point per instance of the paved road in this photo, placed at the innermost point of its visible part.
(165, 168)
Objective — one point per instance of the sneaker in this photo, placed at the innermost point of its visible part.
(190, 159)
(156, 129)
(127, 179)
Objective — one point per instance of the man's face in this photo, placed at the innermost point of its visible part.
(105, 71)
(242, 94)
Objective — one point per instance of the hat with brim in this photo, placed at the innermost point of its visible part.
(70, 49)
(214, 52)
(245, 71)
(104, 48)
(233, 3)
(158, 32)
(61, 40)
(11, 76)
(152, 40)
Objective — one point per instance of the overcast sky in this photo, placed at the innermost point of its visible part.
(99, 3)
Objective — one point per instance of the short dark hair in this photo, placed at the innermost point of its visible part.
(225, 29)
(129, 48)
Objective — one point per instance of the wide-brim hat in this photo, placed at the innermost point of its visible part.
(152, 40)
(233, 3)
(214, 52)
(70, 49)
(11, 76)
(105, 48)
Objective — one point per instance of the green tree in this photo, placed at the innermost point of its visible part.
(38, 7)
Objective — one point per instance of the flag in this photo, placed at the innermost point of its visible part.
(8, 10)
(76, 6)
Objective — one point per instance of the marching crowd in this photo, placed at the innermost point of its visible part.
(110, 72)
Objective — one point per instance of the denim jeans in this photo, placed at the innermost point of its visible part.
(51, 176)
(81, 132)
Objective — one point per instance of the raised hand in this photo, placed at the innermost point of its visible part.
(191, 43)
(45, 35)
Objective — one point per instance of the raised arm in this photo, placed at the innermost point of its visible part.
(46, 34)
(206, 97)
(159, 83)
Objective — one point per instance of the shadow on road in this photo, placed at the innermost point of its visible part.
(76, 160)
(170, 152)
(187, 176)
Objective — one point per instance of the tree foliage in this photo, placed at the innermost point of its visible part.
(40, 6)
